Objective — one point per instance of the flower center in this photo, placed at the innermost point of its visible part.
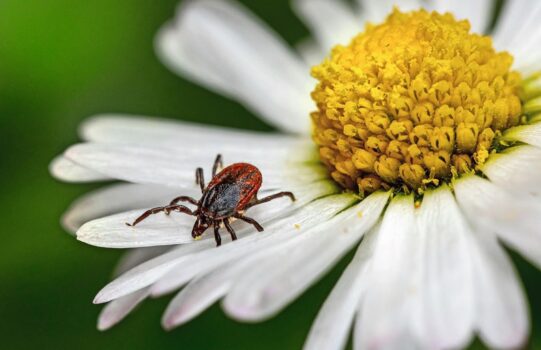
(412, 102)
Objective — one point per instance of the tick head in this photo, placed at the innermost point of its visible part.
(200, 226)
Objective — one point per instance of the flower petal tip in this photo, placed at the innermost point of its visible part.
(104, 324)
(168, 325)
(244, 313)
(69, 223)
(101, 298)
(55, 168)
(170, 322)
(84, 236)
(88, 235)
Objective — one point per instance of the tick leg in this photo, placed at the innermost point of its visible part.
(167, 209)
(217, 234)
(270, 198)
(218, 165)
(184, 199)
(200, 178)
(250, 221)
(230, 230)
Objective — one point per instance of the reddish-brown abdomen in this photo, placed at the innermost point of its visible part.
(246, 176)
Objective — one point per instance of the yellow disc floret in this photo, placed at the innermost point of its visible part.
(412, 102)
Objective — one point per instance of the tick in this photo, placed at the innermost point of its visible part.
(229, 194)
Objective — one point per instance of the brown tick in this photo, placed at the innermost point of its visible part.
(229, 194)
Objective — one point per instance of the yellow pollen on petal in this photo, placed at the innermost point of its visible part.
(412, 102)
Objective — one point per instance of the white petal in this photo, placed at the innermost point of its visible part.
(516, 169)
(202, 292)
(153, 270)
(160, 229)
(310, 51)
(117, 310)
(198, 296)
(65, 170)
(530, 134)
(527, 62)
(230, 50)
(478, 12)
(394, 279)
(287, 271)
(138, 256)
(518, 31)
(331, 327)
(515, 219)
(438, 320)
(376, 11)
(140, 130)
(331, 21)
(276, 232)
(403, 341)
(503, 320)
(512, 21)
(163, 166)
(115, 199)
(147, 273)
(178, 57)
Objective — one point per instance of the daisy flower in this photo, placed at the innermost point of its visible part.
(410, 134)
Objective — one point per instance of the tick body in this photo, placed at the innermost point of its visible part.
(228, 195)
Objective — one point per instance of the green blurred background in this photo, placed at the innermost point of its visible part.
(62, 61)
